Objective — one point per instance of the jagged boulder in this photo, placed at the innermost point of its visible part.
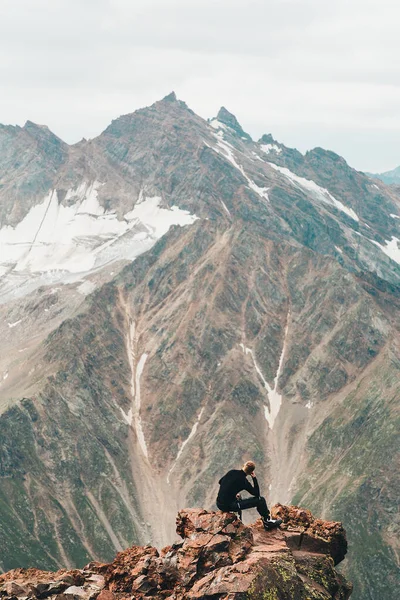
(218, 557)
(63, 585)
(303, 531)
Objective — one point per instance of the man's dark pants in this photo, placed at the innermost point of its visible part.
(239, 505)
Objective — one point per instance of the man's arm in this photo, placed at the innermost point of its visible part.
(254, 491)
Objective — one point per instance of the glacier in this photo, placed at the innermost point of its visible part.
(56, 242)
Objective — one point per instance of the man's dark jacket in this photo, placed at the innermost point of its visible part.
(231, 484)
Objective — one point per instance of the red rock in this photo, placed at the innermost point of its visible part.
(128, 565)
(191, 521)
(106, 595)
(26, 575)
(96, 567)
(312, 535)
(165, 550)
(214, 554)
(218, 558)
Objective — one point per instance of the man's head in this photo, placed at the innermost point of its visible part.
(249, 467)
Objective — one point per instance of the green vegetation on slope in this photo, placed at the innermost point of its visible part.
(350, 458)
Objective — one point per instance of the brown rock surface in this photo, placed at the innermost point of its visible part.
(303, 531)
(219, 558)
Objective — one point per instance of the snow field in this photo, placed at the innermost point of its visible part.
(57, 237)
(267, 148)
(55, 241)
(391, 248)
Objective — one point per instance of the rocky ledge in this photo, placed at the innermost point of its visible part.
(219, 558)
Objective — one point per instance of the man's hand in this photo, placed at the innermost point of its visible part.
(253, 474)
(238, 497)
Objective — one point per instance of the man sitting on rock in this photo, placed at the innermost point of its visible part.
(230, 500)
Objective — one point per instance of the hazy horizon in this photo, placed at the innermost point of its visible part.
(311, 74)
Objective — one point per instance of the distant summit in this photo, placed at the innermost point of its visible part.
(170, 97)
(227, 118)
(267, 139)
(389, 177)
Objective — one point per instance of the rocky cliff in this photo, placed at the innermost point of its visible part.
(176, 298)
(219, 558)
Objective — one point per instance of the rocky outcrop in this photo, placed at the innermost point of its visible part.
(227, 118)
(219, 558)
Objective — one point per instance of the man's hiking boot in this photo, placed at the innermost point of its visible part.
(271, 523)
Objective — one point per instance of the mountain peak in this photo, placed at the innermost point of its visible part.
(227, 118)
(171, 102)
(30, 125)
(42, 134)
(170, 97)
(267, 138)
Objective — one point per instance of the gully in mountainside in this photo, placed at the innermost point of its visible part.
(156, 525)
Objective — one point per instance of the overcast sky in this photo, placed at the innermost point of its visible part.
(311, 72)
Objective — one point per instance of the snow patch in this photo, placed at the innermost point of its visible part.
(215, 124)
(261, 191)
(185, 442)
(257, 368)
(11, 325)
(137, 417)
(317, 191)
(225, 208)
(391, 248)
(267, 148)
(275, 399)
(339, 249)
(228, 153)
(256, 156)
(86, 287)
(128, 417)
(394, 216)
(309, 404)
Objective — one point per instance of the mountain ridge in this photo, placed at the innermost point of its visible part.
(391, 177)
(255, 330)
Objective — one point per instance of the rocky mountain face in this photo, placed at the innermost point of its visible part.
(219, 557)
(176, 298)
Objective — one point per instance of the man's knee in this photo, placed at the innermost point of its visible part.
(262, 503)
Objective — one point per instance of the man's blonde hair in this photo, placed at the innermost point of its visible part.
(249, 467)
